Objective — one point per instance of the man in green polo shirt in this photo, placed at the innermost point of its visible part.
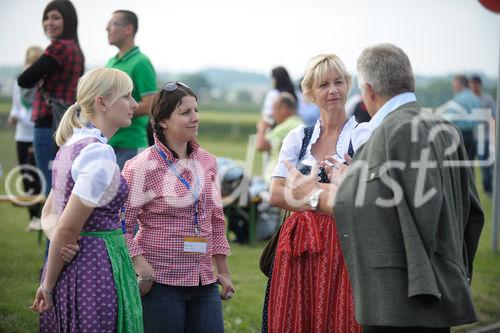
(122, 27)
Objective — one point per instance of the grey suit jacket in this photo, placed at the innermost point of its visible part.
(409, 234)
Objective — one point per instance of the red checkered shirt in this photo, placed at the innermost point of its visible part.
(60, 84)
(164, 209)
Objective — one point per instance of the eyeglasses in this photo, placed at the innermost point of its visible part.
(115, 24)
(173, 85)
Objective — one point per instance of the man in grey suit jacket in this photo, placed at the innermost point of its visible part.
(407, 210)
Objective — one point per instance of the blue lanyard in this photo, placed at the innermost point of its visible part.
(122, 219)
(194, 192)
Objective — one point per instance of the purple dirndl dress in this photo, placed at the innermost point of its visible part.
(85, 298)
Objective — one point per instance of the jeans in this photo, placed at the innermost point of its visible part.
(45, 152)
(183, 309)
(31, 180)
(471, 146)
(124, 154)
(486, 171)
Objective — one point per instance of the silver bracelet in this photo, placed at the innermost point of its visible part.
(145, 278)
(45, 291)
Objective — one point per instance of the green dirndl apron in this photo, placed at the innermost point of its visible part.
(129, 299)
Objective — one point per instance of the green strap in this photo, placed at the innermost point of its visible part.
(129, 299)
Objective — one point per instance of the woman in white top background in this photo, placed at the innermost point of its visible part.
(281, 83)
(20, 116)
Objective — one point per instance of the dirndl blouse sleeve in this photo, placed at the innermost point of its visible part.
(93, 171)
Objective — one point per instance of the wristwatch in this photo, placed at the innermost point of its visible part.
(314, 199)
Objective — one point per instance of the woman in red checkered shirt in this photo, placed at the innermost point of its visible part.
(55, 75)
(175, 200)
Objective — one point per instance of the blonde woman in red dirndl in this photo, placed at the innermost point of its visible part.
(309, 288)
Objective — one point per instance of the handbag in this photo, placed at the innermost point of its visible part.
(57, 106)
(267, 257)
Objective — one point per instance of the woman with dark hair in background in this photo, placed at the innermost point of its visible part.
(281, 83)
(55, 74)
(175, 198)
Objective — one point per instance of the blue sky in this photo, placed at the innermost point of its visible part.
(440, 37)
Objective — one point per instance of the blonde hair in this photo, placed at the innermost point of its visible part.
(106, 82)
(32, 54)
(318, 67)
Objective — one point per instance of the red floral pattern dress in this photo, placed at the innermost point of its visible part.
(310, 289)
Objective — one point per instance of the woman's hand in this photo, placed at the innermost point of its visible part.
(227, 286)
(336, 170)
(12, 120)
(43, 300)
(144, 285)
(145, 274)
(69, 252)
(299, 187)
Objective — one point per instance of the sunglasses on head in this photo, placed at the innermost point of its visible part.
(173, 85)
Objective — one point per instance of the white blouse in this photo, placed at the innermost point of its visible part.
(267, 107)
(94, 170)
(292, 144)
(24, 125)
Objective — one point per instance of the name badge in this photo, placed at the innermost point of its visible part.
(195, 244)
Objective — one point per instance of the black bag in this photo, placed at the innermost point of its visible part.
(58, 108)
(56, 105)
(267, 256)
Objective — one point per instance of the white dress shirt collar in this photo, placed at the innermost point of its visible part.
(390, 106)
(363, 132)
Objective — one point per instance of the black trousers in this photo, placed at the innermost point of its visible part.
(31, 180)
(389, 329)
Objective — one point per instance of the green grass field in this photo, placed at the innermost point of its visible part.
(224, 133)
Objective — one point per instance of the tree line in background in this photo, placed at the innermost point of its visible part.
(431, 92)
(233, 87)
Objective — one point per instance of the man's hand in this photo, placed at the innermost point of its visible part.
(263, 126)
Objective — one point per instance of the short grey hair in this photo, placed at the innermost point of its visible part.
(387, 69)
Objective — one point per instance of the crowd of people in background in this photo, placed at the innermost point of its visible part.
(469, 97)
(133, 207)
